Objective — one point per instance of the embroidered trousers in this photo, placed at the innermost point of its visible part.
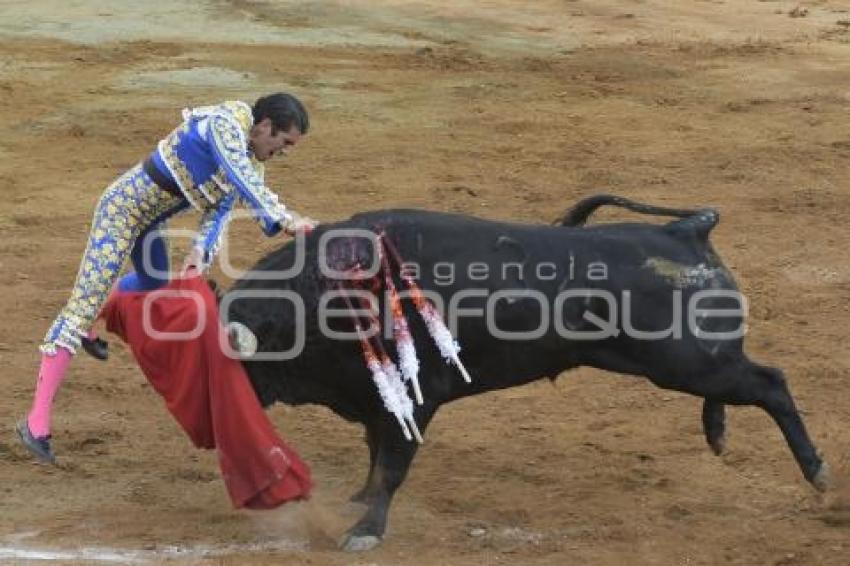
(127, 222)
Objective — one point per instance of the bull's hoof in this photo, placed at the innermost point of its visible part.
(718, 445)
(360, 543)
(822, 480)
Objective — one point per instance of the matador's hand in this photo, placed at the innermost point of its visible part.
(194, 262)
(300, 224)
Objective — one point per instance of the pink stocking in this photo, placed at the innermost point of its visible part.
(50, 376)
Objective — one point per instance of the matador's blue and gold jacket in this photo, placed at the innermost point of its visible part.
(209, 159)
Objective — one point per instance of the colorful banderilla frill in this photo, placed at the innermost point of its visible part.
(401, 331)
(385, 373)
(448, 346)
(386, 378)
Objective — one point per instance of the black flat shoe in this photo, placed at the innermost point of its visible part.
(97, 348)
(38, 447)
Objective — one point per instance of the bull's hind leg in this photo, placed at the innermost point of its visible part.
(765, 387)
(747, 383)
(392, 461)
(714, 425)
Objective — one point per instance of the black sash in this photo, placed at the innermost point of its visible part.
(164, 182)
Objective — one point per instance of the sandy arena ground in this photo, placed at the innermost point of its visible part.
(504, 109)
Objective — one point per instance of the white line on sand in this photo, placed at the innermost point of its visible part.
(129, 556)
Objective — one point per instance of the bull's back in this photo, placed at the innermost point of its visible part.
(643, 278)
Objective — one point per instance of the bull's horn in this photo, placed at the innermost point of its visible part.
(242, 339)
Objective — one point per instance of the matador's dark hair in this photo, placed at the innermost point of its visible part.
(284, 110)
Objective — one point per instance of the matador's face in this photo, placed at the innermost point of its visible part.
(266, 144)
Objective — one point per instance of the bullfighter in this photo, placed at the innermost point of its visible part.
(213, 159)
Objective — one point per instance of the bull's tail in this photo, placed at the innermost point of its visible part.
(581, 211)
(701, 220)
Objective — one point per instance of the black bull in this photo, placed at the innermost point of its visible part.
(649, 270)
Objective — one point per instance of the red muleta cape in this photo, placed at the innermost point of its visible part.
(207, 392)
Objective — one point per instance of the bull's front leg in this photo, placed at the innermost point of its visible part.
(367, 492)
(393, 457)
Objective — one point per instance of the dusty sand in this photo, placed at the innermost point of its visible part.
(512, 110)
